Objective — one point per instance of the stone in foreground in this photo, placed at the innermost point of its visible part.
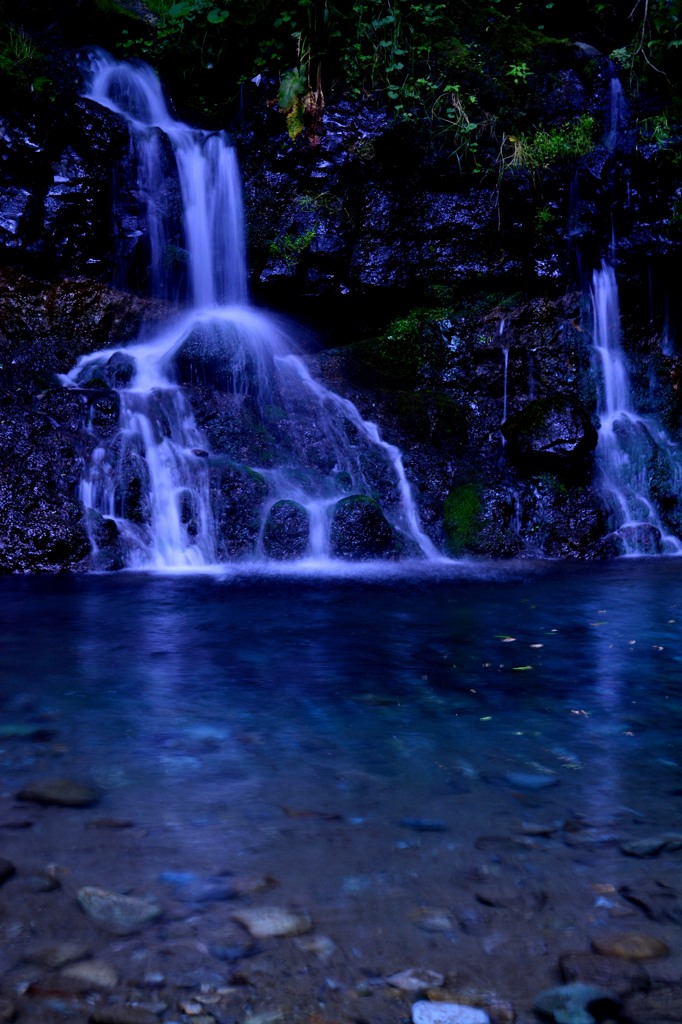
(121, 915)
(272, 922)
(424, 1012)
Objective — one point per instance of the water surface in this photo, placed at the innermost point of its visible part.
(384, 747)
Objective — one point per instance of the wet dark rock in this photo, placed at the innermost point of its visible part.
(237, 496)
(287, 530)
(359, 530)
(618, 975)
(7, 869)
(58, 793)
(551, 434)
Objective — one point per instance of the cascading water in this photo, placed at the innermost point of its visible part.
(155, 478)
(631, 449)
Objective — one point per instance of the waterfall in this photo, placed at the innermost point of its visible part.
(631, 448)
(155, 481)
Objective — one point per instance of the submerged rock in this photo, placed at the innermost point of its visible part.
(631, 946)
(7, 869)
(424, 1012)
(270, 922)
(121, 915)
(416, 979)
(576, 1003)
(59, 793)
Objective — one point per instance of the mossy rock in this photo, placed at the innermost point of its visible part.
(462, 518)
(287, 530)
(360, 531)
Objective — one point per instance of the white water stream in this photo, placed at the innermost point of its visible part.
(153, 478)
(629, 444)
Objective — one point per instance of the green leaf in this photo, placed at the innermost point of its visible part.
(180, 10)
(216, 16)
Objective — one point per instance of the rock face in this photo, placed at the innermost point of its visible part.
(459, 326)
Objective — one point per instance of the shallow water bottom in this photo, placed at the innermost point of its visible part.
(442, 772)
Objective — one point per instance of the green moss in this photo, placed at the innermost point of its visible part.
(289, 247)
(411, 345)
(461, 518)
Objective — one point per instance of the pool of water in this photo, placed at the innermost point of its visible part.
(441, 770)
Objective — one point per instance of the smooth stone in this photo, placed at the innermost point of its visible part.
(92, 974)
(569, 1004)
(271, 922)
(654, 845)
(530, 780)
(320, 946)
(630, 946)
(424, 1012)
(414, 979)
(58, 793)
(57, 954)
(613, 973)
(119, 1014)
(434, 921)
(116, 913)
(7, 869)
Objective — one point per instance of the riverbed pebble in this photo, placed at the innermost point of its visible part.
(424, 1012)
(270, 922)
(630, 946)
(415, 979)
(115, 912)
(571, 1004)
(92, 974)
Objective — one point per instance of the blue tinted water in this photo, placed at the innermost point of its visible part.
(382, 747)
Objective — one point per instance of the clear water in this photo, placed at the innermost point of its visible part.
(358, 739)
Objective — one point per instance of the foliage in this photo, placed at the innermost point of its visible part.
(21, 60)
(289, 247)
(547, 146)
